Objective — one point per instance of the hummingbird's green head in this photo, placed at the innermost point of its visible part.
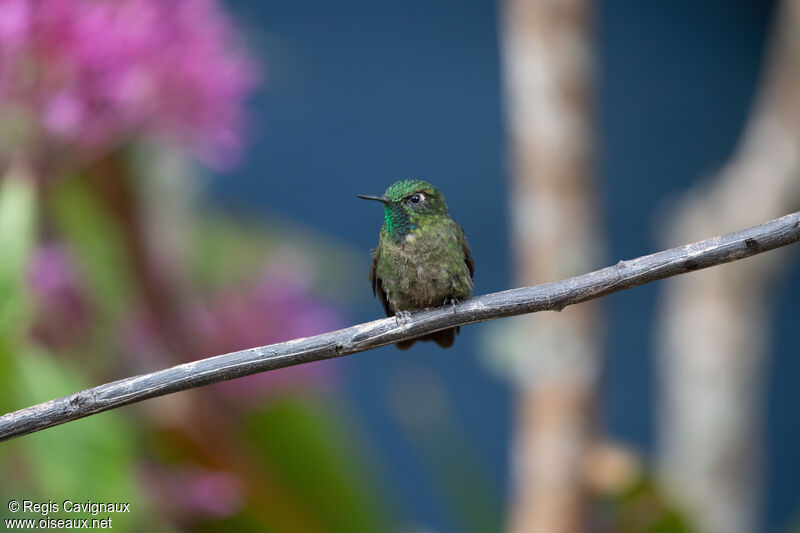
(409, 204)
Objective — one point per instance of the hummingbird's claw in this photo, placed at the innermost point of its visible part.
(452, 301)
(401, 317)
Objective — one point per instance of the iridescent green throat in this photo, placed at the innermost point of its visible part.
(397, 221)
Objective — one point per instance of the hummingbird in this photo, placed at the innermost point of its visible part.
(422, 259)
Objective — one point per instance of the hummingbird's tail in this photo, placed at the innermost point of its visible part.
(444, 338)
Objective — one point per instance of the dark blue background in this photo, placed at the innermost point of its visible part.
(358, 94)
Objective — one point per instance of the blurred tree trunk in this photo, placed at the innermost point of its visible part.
(714, 324)
(548, 84)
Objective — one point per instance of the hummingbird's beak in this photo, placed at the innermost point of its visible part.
(381, 199)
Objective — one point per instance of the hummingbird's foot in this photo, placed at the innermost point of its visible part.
(452, 302)
(401, 317)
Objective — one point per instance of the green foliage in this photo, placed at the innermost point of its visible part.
(429, 422)
(226, 250)
(308, 446)
(17, 232)
(642, 508)
(310, 476)
(58, 461)
(88, 228)
(17, 226)
(99, 449)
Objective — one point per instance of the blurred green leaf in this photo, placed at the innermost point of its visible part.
(94, 237)
(794, 527)
(228, 250)
(314, 456)
(429, 421)
(642, 508)
(17, 233)
(89, 459)
(218, 243)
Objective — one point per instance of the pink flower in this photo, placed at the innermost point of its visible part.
(91, 74)
(279, 306)
(62, 311)
(14, 20)
(191, 493)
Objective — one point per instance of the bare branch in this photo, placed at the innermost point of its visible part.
(548, 297)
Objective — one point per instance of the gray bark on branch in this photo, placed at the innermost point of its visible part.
(547, 297)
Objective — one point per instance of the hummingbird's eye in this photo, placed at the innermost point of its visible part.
(415, 199)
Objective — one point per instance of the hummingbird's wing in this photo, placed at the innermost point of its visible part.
(377, 284)
(462, 239)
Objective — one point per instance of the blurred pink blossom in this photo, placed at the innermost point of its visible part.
(92, 73)
(279, 306)
(61, 308)
(191, 492)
